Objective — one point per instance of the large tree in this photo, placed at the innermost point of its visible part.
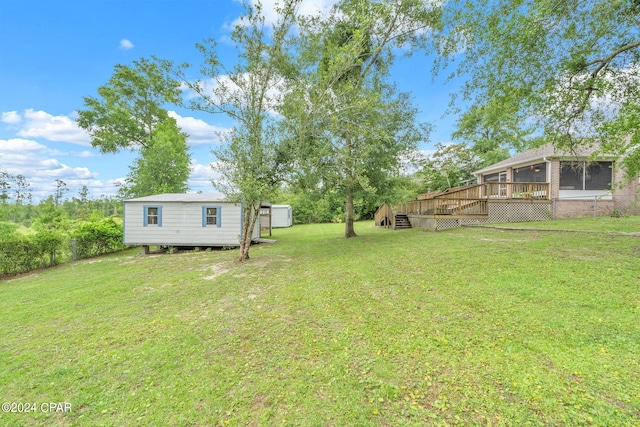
(129, 107)
(449, 165)
(492, 131)
(570, 67)
(129, 113)
(163, 165)
(253, 159)
(351, 127)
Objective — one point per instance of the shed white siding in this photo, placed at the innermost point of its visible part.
(183, 222)
(281, 216)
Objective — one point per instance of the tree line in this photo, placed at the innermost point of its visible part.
(17, 206)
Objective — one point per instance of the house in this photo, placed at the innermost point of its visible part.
(538, 184)
(281, 216)
(193, 220)
(578, 183)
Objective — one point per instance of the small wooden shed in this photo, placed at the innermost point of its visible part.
(193, 220)
(281, 216)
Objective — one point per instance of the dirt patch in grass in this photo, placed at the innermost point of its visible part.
(218, 270)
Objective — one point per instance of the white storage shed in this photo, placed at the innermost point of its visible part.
(199, 220)
(281, 216)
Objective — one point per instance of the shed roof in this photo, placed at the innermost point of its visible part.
(186, 198)
(181, 197)
(540, 153)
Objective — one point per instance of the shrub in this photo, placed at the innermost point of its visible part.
(7, 228)
(19, 253)
(97, 238)
(48, 242)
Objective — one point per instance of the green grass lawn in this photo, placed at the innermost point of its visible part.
(395, 328)
(628, 224)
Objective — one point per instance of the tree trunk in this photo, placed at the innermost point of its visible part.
(349, 215)
(349, 211)
(250, 216)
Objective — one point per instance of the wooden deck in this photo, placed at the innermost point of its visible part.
(463, 202)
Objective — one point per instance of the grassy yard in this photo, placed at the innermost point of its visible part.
(395, 328)
(630, 224)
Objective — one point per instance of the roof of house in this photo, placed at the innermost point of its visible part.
(540, 153)
(180, 197)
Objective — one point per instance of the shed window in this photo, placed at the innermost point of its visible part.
(153, 215)
(211, 216)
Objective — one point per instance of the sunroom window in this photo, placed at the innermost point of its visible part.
(531, 173)
(586, 175)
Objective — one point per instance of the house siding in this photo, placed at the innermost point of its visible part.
(182, 225)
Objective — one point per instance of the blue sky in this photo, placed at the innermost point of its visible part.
(53, 53)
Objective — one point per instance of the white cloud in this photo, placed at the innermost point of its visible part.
(126, 44)
(30, 157)
(84, 154)
(19, 145)
(11, 117)
(199, 131)
(201, 177)
(306, 8)
(35, 162)
(40, 124)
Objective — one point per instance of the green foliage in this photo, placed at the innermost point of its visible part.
(491, 131)
(448, 166)
(252, 162)
(50, 245)
(51, 217)
(320, 205)
(349, 127)
(568, 70)
(48, 241)
(129, 107)
(129, 114)
(7, 228)
(20, 252)
(97, 238)
(163, 166)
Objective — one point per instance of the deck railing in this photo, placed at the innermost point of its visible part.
(385, 217)
(472, 200)
(498, 190)
(447, 207)
(516, 190)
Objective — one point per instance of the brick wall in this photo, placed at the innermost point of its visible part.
(578, 208)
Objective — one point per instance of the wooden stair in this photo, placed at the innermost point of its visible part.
(402, 222)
